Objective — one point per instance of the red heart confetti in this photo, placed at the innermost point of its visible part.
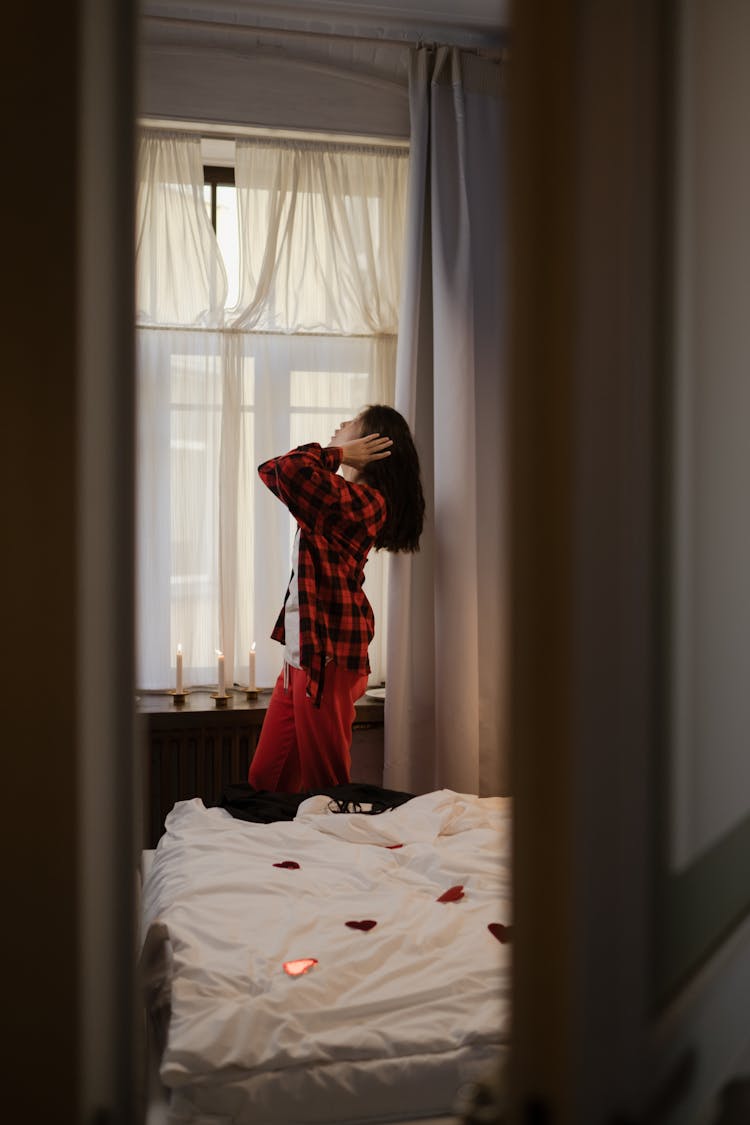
(366, 924)
(392, 846)
(288, 863)
(302, 965)
(453, 894)
(501, 932)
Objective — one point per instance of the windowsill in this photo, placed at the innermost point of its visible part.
(199, 702)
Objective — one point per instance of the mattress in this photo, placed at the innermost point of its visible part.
(338, 968)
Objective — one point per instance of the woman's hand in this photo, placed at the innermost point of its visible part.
(362, 450)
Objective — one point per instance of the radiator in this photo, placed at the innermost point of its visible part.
(196, 762)
(198, 753)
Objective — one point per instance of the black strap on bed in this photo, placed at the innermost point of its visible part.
(264, 807)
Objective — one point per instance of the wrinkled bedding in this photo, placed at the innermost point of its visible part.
(390, 1019)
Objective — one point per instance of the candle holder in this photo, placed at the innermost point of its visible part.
(219, 699)
(251, 693)
(179, 697)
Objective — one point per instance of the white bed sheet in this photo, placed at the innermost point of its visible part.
(389, 1022)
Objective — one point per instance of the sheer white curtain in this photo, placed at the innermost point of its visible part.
(310, 341)
(445, 705)
(321, 236)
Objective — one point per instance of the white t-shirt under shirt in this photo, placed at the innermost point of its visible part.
(291, 612)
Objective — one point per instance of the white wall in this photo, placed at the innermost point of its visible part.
(208, 61)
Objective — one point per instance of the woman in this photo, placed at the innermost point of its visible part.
(326, 623)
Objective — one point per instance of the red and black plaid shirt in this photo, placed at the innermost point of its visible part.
(338, 521)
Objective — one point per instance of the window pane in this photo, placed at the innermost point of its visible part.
(339, 390)
(196, 380)
(321, 400)
(247, 375)
(228, 236)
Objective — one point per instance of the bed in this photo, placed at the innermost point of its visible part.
(340, 967)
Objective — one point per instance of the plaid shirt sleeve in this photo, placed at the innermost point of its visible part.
(324, 503)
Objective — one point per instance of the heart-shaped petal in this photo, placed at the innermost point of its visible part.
(501, 932)
(290, 864)
(365, 924)
(300, 966)
(453, 894)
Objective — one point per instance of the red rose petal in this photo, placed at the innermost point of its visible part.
(453, 894)
(365, 924)
(300, 966)
(501, 932)
(392, 846)
(288, 863)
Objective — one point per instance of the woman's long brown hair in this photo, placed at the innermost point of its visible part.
(398, 479)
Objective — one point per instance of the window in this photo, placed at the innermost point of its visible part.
(220, 194)
(267, 305)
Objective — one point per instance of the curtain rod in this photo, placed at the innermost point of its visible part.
(499, 53)
(227, 131)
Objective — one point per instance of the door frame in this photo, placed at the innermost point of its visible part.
(591, 158)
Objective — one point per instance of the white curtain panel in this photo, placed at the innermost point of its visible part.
(180, 275)
(310, 342)
(445, 704)
(321, 236)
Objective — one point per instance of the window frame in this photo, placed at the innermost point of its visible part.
(215, 175)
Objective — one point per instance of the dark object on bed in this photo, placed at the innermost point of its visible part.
(263, 807)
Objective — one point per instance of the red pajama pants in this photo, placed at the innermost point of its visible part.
(304, 747)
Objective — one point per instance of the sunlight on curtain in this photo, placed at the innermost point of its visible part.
(321, 234)
(310, 340)
(452, 386)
